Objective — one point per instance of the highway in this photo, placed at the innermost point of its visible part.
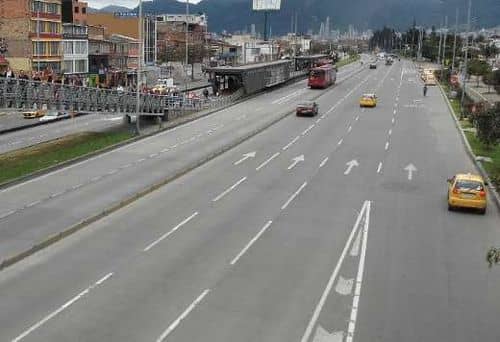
(38, 134)
(332, 228)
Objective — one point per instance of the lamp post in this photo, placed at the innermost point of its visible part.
(139, 70)
(187, 44)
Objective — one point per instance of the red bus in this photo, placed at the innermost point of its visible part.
(322, 77)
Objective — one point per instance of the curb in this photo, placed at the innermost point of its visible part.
(123, 203)
(38, 123)
(468, 148)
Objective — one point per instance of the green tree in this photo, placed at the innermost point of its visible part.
(478, 68)
(487, 124)
(492, 79)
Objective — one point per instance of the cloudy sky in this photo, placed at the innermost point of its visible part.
(127, 3)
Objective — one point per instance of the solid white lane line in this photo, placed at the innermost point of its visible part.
(293, 196)
(317, 121)
(267, 161)
(379, 167)
(359, 279)
(255, 238)
(61, 308)
(291, 143)
(340, 142)
(186, 312)
(231, 188)
(308, 129)
(333, 277)
(32, 204)
(7, 214)
(166, 235)
(323, 162)
(386, 146)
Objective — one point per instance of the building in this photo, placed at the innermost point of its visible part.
(32, 30)
(127, 24)
(171, 37)
(99, 52)
(74, 11)
(75, 49)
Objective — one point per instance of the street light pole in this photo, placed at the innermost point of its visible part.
(465, 61)
(187, 43)
(139, 70)
(38, 38)
(455, 41)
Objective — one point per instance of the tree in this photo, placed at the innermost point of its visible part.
(492, 79)
(478, 68)
(489, 50)
(487, 124)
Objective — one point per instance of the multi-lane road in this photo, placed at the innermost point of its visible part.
(332, 228)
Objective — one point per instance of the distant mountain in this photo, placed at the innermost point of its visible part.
(113, 8)
(234, 15)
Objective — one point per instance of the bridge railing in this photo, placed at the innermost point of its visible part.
(28, 94)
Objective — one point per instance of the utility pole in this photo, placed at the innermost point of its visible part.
(187, 43)
(444, 45)
(139, 70)
(440, 43)
(465, 62)
(38, 38)
(455, 41)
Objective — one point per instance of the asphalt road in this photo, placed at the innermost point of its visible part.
(38, 134)
(322, 235)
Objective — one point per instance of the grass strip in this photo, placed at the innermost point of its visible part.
(27, 160)
(346, 61)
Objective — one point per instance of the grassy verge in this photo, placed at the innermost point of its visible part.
(24, 161)
(349, 60)
(477, 146)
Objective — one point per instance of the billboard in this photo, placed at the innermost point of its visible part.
(266, 5)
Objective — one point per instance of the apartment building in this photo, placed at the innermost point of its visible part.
(32, 30)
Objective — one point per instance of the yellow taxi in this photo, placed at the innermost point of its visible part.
(36, 113)
(368, 100)
(467, 191)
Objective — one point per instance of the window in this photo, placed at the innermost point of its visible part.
(68, 67)
(84, 10)
(81, 66)
(37, 6)
(77, 9)
(68, 47)
(81, 48)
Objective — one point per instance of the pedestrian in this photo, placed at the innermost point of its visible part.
(425, 89)
(205, 93)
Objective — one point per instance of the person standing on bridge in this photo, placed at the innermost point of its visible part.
(425, 89)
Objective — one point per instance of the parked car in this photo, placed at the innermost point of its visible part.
(32, 114)
(373, 65)
(54, 115)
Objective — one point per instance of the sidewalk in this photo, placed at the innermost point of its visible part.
(480, 93)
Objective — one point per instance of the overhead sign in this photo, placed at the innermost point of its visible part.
(266, 5)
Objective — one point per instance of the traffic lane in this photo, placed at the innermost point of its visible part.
(35, 135)
(134, 224)
(95, 170)
(427, 278)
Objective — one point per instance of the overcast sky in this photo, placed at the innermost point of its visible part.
(127, 3)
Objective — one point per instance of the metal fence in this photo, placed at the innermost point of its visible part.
(28, 95)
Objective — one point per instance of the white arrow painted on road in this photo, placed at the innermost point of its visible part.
(410, 169)
(350, 165)
(245, 157)
(322, 335)
(296, 160)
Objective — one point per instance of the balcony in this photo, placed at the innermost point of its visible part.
(46, 16)
(45, 35)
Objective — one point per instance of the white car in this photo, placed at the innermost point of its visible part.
(54, 115)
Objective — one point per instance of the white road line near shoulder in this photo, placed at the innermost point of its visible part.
(10, 212)
(386, 146)
(252, 241)
(359, 278)
(331, 281)
(349, 129)
(186, 312)
(287, 203)
(291, 143)
(340, 142)
(393, 120)
(62, 308)
(267, 161)
(390, 132)
(231, 188)
(173, 230)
